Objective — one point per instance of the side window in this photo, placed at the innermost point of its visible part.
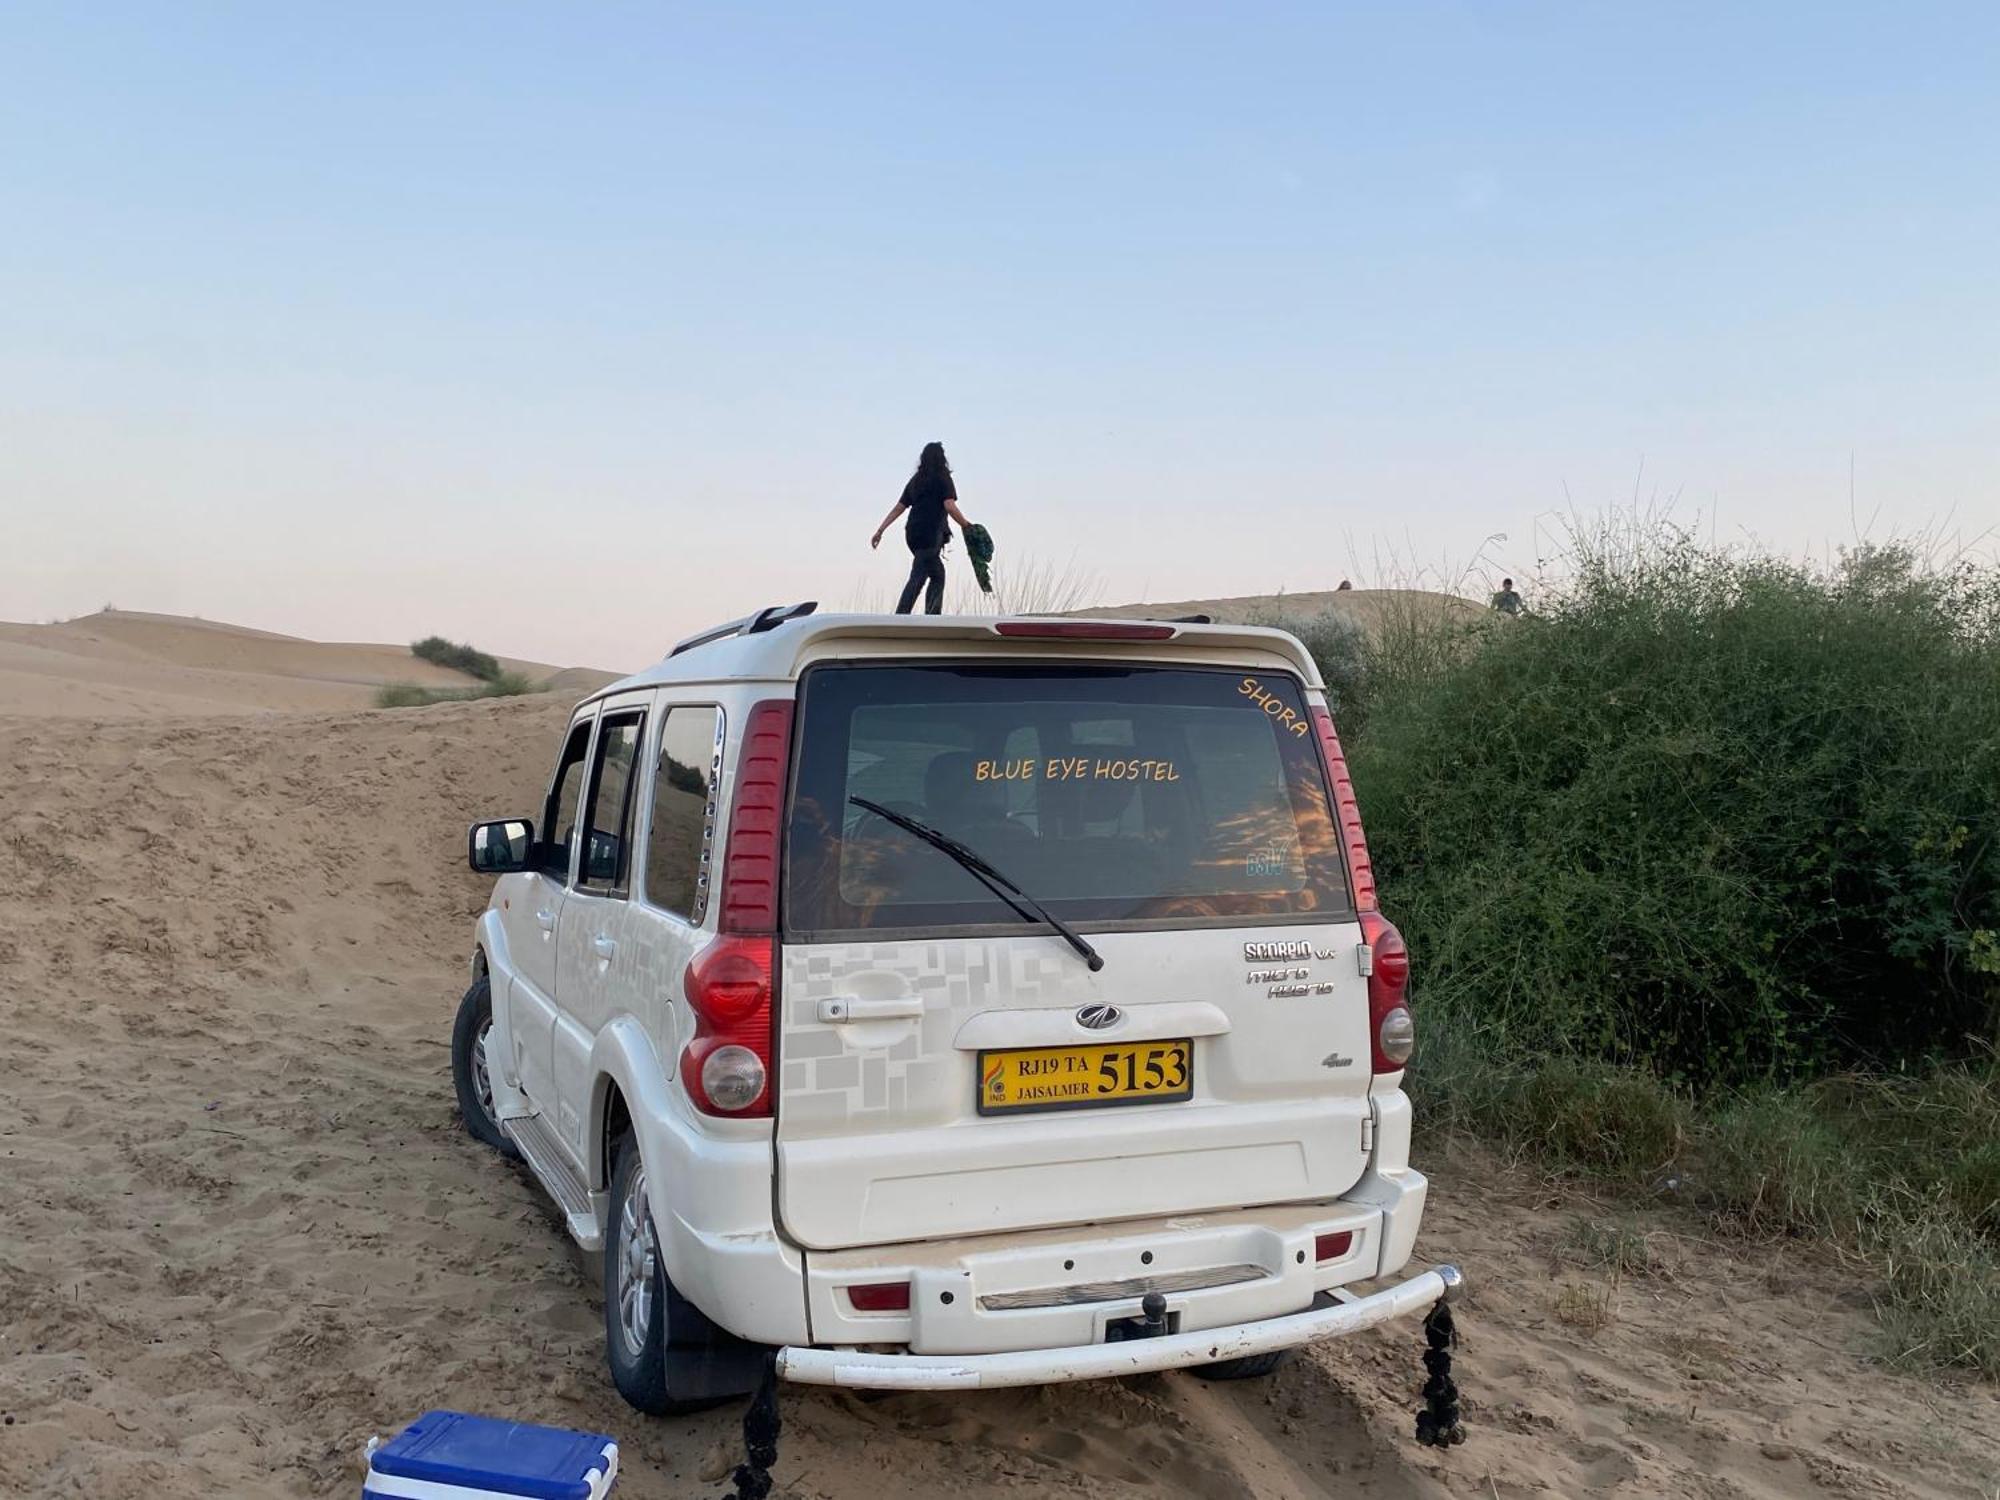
(677, 847)
(606, 852)
(565, 795)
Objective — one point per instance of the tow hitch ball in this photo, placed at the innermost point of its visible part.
(1154, 1322)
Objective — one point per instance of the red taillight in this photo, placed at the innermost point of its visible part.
(733, 981)
(1084, 630)
(1332, 1246)
(750, 867)
(1346, 812)
(728, 986)
(1390, 1033)
(731, 985)
(880, 1296)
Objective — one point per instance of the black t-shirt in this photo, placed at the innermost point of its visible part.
(925, 497)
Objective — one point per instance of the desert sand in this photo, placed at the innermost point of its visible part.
(1367, 609)
(126, 664)
(242, 1228)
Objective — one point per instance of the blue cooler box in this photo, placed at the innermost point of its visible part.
(451, 1455)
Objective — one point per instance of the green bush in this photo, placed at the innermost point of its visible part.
(1567, 1114)
(1700, 871)
(403, 695)
(1722, 818)
(1346, 659)
(1409, 642)
(409, 695)
(1774, 1163)
(1972, 1187)
(1940, 1303)
(459, 658)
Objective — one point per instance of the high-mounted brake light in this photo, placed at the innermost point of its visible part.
(1346, 811)
(731, 985)
(1084, 630)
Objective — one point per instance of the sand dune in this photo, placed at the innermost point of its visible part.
(242, 1229)
(121, 663)
(1371, 609)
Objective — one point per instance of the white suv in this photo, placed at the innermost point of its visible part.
(953, 1002)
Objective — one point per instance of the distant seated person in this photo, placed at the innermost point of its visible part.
(1507, 601)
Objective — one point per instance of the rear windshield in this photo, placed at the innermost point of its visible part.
(1111, 794)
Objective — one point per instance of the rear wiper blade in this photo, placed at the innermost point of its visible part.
(1024, 905)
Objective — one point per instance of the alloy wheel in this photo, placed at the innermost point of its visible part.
(638, 1266)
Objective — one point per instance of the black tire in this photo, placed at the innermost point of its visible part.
(469, 1035)
(666, 1358)
(1248, 1367)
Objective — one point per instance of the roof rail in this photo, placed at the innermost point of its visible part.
(778, 614)
(765, 619)
(720, 632)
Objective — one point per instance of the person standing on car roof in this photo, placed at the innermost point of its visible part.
(930, 497)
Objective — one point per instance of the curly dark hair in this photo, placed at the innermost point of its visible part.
(931, 463)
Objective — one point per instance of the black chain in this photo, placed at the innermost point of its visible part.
(760, 1438)
(1438, 1425)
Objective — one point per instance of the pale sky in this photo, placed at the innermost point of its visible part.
(568, 329)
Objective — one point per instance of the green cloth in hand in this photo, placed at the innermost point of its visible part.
(979, 551)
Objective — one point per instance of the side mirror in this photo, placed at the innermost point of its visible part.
(502, 847)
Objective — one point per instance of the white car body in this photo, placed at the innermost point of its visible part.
(1027, 1240)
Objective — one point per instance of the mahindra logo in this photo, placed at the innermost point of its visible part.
(1099, 1017)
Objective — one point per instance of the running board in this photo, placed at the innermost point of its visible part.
(562, 1182)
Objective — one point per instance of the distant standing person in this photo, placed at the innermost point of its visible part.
(1507, 601)
(930, 497)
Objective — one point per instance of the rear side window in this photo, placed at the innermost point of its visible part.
(683, 826)
(1140, 794)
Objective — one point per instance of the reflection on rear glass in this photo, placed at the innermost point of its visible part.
(1114, 794)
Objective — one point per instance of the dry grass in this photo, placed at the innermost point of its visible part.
(1622, 1248)
(1587, 1306)
(1022, 585)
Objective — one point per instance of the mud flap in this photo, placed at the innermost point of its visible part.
(703, 1362)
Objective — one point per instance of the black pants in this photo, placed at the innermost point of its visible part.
(926, 573)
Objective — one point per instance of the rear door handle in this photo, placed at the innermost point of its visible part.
(844, 1008)
(546, 919)
(605, 946)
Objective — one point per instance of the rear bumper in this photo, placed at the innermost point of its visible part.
(938, 1372)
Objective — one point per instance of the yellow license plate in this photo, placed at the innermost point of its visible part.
(1017, 1082)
